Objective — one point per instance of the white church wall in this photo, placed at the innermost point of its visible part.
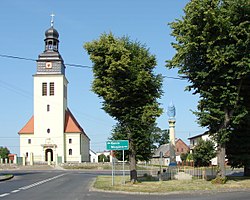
(26, 147)
(72, 147)
(49, 112)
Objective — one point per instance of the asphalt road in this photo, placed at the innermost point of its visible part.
(74, 185)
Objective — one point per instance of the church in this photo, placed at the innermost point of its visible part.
(52, 135)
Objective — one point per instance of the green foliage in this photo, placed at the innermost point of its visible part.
(203, 152)
(4, 152)
(123, 77)
(160, 137)
(184, 156)
(190, 157)
(103, 158)
(213, 53)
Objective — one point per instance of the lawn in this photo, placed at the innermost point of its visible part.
(105, 183)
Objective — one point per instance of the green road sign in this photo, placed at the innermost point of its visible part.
(117, 145)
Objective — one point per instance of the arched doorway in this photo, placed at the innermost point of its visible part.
(46, 154)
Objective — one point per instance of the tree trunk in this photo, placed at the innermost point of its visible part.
(221, 153)
(133, 172)
(247, 170)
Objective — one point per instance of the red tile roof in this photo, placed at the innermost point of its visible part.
(28, 128)
(71, 125)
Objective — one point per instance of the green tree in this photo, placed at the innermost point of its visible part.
(184, 156)
(160, 136)
(124, 78)
(103, 158)
(203, 152)
(4, 152)
(190, 157)
(212, 44)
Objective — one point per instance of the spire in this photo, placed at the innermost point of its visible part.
(52, 20)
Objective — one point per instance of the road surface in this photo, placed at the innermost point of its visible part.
(74, 185)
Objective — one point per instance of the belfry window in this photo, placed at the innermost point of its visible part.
(50, 45)
(55, 45)
(44, 89)
(51, 88)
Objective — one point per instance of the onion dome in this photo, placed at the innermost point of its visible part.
(51, 33)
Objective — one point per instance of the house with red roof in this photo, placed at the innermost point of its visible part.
(52, 134)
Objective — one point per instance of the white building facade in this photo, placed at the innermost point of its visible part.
(52, 134)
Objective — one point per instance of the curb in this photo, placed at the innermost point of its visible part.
(6, 177)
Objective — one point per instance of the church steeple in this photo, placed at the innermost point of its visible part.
(50, 61)
(51, 40)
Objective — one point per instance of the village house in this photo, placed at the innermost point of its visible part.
(162, 154)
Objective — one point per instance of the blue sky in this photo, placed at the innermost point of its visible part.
(23, 24)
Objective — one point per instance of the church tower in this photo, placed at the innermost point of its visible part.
(50, 96)
(56, 136)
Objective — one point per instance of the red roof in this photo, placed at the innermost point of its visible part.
(28, 128)
(71, 125)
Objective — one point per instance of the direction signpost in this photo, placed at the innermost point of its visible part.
(117, 145)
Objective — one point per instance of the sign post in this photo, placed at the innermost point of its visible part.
(118, 145)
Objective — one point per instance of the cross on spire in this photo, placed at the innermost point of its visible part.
(52, 20)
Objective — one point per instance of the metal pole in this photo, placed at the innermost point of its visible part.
(123, 167)
(112, 172)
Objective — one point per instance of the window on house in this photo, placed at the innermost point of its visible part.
(44, 89)
(29, 141)
(181, 149)
(70, 152)
(48, 130)
(177, 150)
(51, 88)
(48, 108)
(70, 141)
(27, 154)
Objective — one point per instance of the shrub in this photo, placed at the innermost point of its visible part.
(219, 180)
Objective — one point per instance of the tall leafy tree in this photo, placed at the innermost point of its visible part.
(212, 44)
(124, 78)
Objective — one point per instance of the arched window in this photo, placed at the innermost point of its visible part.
(70, 152)
(70, 141)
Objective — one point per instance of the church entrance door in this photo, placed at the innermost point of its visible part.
(46, 154)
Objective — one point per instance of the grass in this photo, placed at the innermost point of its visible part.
(105, 183)
(4, 177)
